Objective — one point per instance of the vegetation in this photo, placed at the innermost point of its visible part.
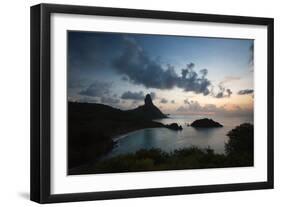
(240, 147)
(239, 153)
(92, 127)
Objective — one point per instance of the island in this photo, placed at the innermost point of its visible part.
(174, 126)
(92, 127)
(205, 123)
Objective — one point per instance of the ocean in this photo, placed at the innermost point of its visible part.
(169, 140)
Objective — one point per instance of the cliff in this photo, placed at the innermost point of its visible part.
(148, 110)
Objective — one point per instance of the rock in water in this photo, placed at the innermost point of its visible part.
(205, 123)
(174, 126)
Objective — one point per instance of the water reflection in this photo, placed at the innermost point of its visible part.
(169, 140)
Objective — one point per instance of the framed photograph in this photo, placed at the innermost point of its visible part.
(133, 103)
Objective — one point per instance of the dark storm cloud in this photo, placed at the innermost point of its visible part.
(164, 101)
(184, 72)
(142, 69)
(109, 100)
(137, 96)
(245, 92)
(73, 83)
(204, 72)
(97, 89)
(133, 95)
(124, 78)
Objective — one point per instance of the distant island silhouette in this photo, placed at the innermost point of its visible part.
(205, 123)
(92, 127)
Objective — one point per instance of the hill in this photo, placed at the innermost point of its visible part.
(92, 127)
(205, 123)
(148, 110)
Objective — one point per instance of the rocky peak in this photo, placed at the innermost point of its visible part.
(148, 100)
(148, 110)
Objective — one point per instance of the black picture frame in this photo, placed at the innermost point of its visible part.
(41, 95)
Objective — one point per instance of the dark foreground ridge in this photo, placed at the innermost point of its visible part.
(205, 123)
(92, 127)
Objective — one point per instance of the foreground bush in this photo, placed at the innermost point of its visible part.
(240, 147)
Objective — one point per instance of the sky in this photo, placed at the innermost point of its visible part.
(184, 75)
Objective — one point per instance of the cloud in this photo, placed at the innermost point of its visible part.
(124, 78)
(153, 95)
(228, 92)
(186, 101)
(228, 79)
(109, 100)
(83, 99)
(223, 92)
(173, 101)
(164, 101)
(101, 90)
(184, 72)
(137, 96)
(76, 83)
(251, 58)
(192, 106)
(245, 92)
(141, 69)
(133, 95)
(97, 89)
(195, 108)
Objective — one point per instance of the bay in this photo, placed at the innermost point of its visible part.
(169, 140)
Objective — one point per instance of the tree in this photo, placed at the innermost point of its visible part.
(241, 140)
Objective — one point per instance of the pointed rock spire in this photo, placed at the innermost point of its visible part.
(148, 100)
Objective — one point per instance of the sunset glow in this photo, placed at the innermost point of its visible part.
(186, 75)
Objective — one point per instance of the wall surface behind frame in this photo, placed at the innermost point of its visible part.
(14, 104)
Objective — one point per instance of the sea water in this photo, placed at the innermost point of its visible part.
(169, 140)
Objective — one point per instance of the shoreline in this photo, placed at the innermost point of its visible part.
(119, 137)
(159, 125)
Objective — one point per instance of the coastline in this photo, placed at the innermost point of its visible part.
(184, 158)
(119, 137)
